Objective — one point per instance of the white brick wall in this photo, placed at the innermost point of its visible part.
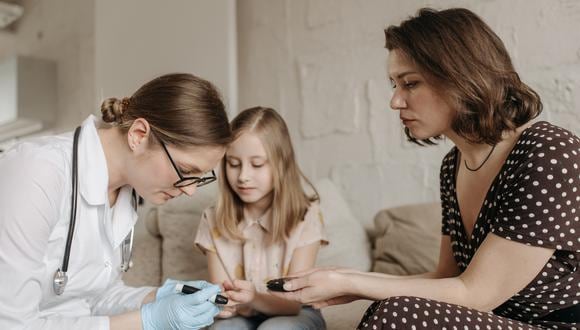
(322, 64)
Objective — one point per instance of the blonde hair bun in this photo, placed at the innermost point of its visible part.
(112, 109)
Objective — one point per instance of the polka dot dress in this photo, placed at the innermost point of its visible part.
(534, 200)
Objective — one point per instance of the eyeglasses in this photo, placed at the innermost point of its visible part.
(185, 181)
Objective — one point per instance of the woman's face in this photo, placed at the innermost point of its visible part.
(153, 175)
(421, 108)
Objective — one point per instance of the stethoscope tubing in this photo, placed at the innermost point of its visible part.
(73, 211)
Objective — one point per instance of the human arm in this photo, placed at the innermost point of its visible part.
(446, 267)
(498, 270)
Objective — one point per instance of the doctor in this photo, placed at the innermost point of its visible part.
(67, 210)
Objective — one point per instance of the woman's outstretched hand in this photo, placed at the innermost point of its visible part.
(319, 287)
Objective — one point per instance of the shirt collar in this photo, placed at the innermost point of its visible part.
(92, 164)
(265, 221)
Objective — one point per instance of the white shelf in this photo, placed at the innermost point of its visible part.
(19, 128)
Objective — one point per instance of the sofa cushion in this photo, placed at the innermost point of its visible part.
(408, 239)
(177, 222)
(349, 244)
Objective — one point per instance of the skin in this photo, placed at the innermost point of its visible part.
(250, 175)
(133, 160)
(499, 269)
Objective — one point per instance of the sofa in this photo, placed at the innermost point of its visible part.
(405, 240)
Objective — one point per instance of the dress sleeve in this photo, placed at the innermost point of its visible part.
(539, 203)
(313, 230)
(203, 238)
(32, 188)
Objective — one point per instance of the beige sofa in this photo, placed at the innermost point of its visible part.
(405, 241)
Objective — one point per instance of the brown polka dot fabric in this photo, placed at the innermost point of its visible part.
(418, 313)
(534, 200)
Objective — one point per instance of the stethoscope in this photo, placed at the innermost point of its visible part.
(60, 276)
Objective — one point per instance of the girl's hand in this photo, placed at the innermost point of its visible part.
(319, 287)
(240, 292)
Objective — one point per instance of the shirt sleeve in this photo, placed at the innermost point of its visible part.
(539, 204)
(119, 298)
(32, 186)
(203, 238)
(313, 230)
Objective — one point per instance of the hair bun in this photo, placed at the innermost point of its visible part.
(112, 109)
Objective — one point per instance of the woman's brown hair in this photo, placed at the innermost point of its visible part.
(466, 61)
(289, 201)
(181, 109)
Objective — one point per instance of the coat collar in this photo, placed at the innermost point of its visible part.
(92, 164)
(94, 182)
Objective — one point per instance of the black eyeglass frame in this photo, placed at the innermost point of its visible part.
(185, 181)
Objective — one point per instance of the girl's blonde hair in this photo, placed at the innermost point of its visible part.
(290, 202)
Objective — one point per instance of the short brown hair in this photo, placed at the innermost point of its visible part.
(181, 109)
(466, 60)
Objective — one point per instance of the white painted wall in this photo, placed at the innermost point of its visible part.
(109, 48)
(61, 31)
(322, 64)
(137, 40)
(8, 95)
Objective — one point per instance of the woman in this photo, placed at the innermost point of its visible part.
(509, 190)
(159, 143)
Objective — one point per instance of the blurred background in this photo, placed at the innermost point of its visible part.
(320, 63)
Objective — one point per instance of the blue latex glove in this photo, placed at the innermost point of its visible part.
(181, 311)
(168, 288)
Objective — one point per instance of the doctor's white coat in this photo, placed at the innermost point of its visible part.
(35, 202)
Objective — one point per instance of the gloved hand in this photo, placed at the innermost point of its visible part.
(168, 288)
(181, 311)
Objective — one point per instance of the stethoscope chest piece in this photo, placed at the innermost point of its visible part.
(59, 283)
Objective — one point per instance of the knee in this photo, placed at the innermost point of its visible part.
(303, 321)
(281, 323)
(228, 324)
(401, 311)
(407, 308)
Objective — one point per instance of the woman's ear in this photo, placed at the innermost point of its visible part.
(138, 135)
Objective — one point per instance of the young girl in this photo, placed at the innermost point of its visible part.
(263, 227)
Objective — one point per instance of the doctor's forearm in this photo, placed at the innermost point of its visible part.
(150, 297)
(129, 321)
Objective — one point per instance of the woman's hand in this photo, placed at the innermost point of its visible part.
(319, 287)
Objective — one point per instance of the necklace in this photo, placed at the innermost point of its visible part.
(482, 163)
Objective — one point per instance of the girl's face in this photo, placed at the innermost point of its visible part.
(248, 170)
(420, 106)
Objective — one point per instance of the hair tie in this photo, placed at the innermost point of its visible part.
(125, 104)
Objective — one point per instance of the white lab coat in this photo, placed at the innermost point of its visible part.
(35, 203)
